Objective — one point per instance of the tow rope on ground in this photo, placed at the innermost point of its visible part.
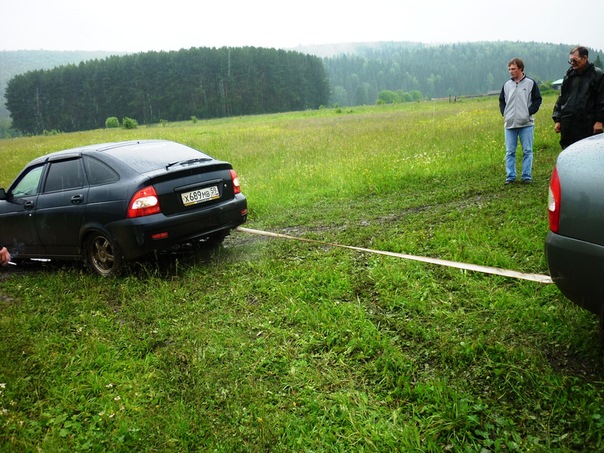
(540, 278)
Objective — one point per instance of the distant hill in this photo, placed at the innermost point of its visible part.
(357, 72)
(151, 87)
(17, 62)
(356, 48)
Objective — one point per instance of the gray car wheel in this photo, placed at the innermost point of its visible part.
(103, 255)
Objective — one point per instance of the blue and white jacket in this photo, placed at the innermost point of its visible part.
(518, 102)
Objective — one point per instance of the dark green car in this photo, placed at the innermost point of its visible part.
(574, 246)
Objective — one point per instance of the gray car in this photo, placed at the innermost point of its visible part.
(574, 246)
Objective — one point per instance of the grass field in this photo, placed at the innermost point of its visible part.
(278, 345)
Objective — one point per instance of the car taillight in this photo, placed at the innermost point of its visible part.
(144, 202)
(553, 201)
(236, 185)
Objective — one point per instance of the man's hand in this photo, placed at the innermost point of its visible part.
(4, 256)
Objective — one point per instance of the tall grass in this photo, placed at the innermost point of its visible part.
(275, 345)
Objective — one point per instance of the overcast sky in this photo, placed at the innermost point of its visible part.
(138, 26)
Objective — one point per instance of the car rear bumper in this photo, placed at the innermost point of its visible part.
(139, 236)
(577, 268)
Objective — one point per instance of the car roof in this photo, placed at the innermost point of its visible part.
(141, 155)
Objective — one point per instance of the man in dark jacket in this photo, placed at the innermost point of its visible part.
(579, 110)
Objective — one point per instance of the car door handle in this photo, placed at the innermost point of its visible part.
(28, 205)
(77, 199)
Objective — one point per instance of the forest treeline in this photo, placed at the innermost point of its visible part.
(207, 83)
(440, 71)
(166, 86)
(13, 63)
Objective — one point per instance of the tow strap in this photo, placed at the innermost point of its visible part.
(464, 266)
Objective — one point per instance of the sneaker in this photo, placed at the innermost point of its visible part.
(526, 181)
(510, 181)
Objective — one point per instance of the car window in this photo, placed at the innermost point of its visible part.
(155, 156)
(98, 172)
(63, 175)
(29, 183)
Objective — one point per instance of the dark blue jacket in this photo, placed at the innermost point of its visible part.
(581, 95)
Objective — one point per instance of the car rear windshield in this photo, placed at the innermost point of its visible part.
(147, 157)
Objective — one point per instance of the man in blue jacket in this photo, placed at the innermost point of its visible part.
(579, 110)
(519, 100)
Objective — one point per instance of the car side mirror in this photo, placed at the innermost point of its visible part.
(2, 194)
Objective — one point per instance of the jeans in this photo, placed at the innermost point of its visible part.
(525, 134)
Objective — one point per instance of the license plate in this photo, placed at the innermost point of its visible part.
(199, 196)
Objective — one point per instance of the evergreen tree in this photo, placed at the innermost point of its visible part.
(169, 86)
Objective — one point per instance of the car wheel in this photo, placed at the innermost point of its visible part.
(103, 255)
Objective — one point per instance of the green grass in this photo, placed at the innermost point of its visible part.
(280, 345)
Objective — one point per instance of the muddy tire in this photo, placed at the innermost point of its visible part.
(103, 256)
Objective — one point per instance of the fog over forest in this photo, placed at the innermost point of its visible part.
(358, 72)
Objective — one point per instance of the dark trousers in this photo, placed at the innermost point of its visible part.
(574, 128)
